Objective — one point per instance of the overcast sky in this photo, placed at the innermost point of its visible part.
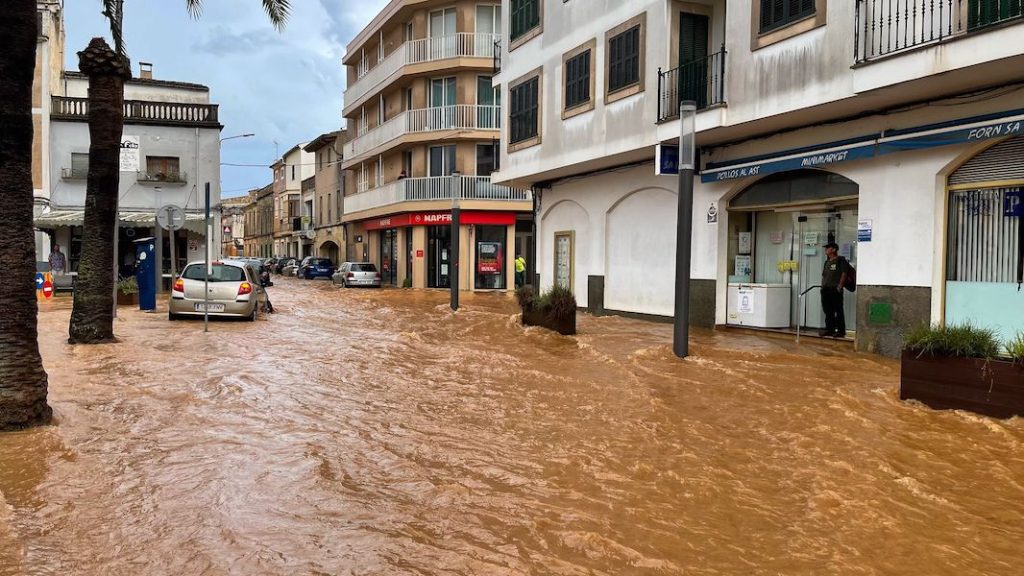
(281, 86)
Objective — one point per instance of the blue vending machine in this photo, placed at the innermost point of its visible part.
(145, 272)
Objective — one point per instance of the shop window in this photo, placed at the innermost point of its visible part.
(490, 257)
(778, 13)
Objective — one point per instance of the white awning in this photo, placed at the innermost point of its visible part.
(58, 218)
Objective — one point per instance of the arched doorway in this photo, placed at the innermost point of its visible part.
(985, 241)
(329, 250)
(778, 228)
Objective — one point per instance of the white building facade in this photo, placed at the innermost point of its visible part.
(889, 130)
(170, 153)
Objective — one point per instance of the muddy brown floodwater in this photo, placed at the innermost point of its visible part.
(373, 432)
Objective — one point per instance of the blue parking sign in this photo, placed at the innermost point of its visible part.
(1013, 203)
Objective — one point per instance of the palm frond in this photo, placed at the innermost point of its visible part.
(278, 12)
(114, 12)
(194, 8)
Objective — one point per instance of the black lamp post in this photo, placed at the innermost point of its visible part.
(684, 228)
(453, 274)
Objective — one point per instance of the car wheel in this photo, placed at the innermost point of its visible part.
(171, 316)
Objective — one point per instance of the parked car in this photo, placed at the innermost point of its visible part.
(357, 274)
(290, 268)
(313, 267)
(234, 290)
(283, 263)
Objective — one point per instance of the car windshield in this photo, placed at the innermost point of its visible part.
(320, 262)
(220, 273)
(364, 268)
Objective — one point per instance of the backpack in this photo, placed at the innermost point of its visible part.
(851, 277)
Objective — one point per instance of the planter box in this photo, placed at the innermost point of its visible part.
(566, 327)
(127, 299)
(990, 387)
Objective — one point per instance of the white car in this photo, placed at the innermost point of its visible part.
(234, 290)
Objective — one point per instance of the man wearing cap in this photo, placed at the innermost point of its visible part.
(833, 279)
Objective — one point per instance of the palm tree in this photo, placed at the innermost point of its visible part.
(22, 378)
(23, 381)
(92, 318)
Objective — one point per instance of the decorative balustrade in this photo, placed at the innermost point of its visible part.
(702, 81)
(140, 111)
(431, 189)
(440, 118)
(884, 27)
(459, 45)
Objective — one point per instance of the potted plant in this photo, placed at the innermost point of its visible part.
(959, 367)
(554, 309)
(127, 291)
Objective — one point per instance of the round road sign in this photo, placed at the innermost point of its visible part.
(170, 217)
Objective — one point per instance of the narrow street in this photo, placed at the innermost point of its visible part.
(375, 432)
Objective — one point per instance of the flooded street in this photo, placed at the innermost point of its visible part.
(374, 432)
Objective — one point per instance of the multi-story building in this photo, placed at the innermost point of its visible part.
(890, 129)
(45, 84)
(259, 222)
(329, 189)
(232, 224)
(423, 119)
(170, 152)
(295, 166)
(307, 213)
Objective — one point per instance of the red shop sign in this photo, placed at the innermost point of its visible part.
(440, 219)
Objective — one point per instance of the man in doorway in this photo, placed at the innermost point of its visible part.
(833, 279)
(520, 271)
(57, 261)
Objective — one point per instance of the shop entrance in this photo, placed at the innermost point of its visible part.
(439, 243)
(778, 234)
(389, 256)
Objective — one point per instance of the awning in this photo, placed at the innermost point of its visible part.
(58, 218)
(974, 129)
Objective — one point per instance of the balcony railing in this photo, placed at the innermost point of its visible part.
(884, 27)
(433, 188)
(162, 177)
(459, 45)
(440, 118)
(140, 111)
(702, 81)
(74, 173)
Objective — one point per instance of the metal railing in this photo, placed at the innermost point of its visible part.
(439, 118)
(433, 188)
(496, 61)
(702, 81)
(140, 111)
(167, 177)
(884, 27)
(74, 174)
(458, 45)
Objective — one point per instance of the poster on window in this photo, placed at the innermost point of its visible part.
(488, 257)
(129, 153)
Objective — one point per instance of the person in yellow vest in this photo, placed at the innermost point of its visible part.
(520, 271)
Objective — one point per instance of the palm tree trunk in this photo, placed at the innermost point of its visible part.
(92, 316)
(22, 378)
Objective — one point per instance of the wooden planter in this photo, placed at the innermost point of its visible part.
(565, 326)
(127, 299)
(990, 387)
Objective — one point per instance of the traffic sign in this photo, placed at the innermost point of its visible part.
(170, 217)
(39, 280)
(48, 288)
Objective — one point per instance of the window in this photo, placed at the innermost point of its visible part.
(577, 80)
(524, 112)
(624, 59)
(442, 160)
(163, 168)
(79, 165)
(488, 99)
(407, 163)
(486, 159)
(525, 17)
(778, 13)
(293, 171)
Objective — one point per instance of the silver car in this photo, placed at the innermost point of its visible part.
(357, 274)
(234, 290)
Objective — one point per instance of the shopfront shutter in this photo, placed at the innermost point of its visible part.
(998, 163)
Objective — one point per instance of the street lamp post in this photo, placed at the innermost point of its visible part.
(246, 135)
(684, 228)
(453, 274)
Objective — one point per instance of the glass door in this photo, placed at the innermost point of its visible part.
(389, 256)
(442, 34)
(488, 100)
(442, 103)
(438, 248)
(442, 160)
(837, 225)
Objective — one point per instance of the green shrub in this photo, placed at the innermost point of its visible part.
(127, 285)
(558, 302)
(1015, 348)
(407, 283)
(961, 340)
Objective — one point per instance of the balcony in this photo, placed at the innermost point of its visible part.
(437, 119)
(141, 112)
(178, 178)
(459, 45)
(431, 189)
(886, 27)
(702, 81)
(74, 173)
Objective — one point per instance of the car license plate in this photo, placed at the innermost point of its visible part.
(202, 307)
